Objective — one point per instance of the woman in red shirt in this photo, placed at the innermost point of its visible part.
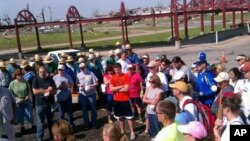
(109, 72)
(135, 88)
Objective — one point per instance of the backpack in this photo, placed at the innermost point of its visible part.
(205, 115)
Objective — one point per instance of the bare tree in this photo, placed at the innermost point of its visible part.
(96, 13)
(7, 19)
(50, 13)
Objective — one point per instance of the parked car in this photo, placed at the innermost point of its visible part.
(56, 54)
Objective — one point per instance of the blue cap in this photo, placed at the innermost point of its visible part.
(184, 118)
(199, 62)
(202, 56)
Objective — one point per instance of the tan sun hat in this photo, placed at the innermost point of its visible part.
(91, 56)
(117, 43)
(81, 60)
(37, 57)
(12, 60)
(64, 54)
(47, 59)
(2, 64)
(70, 59)
(79, 54)
(128, 46)
(117, 51)
(111, 52)
(62, 61)
(98, 55)
(91, 51)
(24, 63)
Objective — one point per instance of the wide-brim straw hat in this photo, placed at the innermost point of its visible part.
(37, 58)
(48, 60)
(2, 64)
(91, 51)
(111, 53)
(80, 54)
(24, 63)
(98, 55)
(12, 60)
(81, 60)
(70, 59)
(62, 61)
(64, 54)
(117, 43)
(91, 56)
(128, 46)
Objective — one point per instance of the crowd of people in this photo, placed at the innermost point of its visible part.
(127, 85)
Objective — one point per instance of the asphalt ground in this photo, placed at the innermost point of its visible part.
(93, 134)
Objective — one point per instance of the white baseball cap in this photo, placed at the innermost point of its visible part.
(222, 76)
(60, 67)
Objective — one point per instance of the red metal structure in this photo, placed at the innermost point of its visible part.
(181, 7)
(23, 17)
(73, 15)
(177, 8)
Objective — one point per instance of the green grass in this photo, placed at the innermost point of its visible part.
(53, 38)
(104, 30)
(147, 40)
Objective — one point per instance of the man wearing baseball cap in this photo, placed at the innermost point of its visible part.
(180, 91)
(87, 82)
(205, 83)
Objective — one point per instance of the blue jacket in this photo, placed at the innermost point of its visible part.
(203, 84)
(133, 58)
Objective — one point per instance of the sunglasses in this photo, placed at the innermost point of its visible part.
(150, 67)
(238, 60)
(60, 70)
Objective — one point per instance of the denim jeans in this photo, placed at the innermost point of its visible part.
(110, 102)
(154, 126)
(41, 112)
(66, 106)
(24, 110)
(88, 101)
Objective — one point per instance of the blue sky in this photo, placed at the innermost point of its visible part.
(59, 7)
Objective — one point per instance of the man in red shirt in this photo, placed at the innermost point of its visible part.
(119, 84)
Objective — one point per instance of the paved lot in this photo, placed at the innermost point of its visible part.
(81, 133)
(188, 53)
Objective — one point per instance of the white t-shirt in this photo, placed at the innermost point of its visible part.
(238, 85)
(226, 133)
(190, 107)
(246, 99)
(163, 79)
(124, 64)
